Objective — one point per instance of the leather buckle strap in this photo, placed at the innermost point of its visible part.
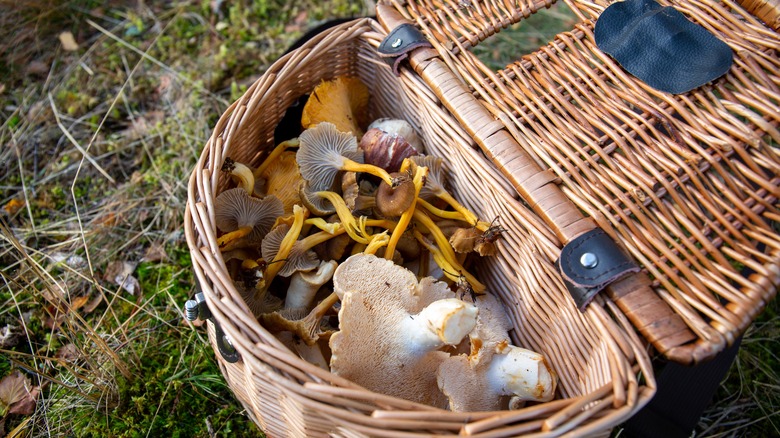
(589, 263)
(399, 43)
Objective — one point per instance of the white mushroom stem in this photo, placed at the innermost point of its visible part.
(304, 285)
(520, 372)
(443, 322)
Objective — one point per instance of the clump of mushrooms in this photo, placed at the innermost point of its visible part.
(316, 237)
(391, 328)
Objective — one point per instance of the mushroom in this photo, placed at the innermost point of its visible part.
(355, 227)
(393, 201)
(241, 216)
(293, 316)
(391, 327)
(297, 259)
(385, 150)
(307, 328)
(351, 192)
(241, 174)
(324, 151)
(401, 128)
(304, 285)
(495, 371)
(342, 102)
(418, 180)
(282, 179)
(278, 150)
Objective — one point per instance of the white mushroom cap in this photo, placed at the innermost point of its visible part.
(391, 326)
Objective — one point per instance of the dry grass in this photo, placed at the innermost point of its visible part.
(98, 144)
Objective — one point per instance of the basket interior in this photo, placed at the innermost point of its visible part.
(596, 354)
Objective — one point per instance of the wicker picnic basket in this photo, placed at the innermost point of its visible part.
(687, 183)
(604, 370)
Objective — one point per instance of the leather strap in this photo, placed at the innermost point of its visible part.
(589, 263)
(399, 43)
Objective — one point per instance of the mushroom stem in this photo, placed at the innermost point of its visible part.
(353, 227)
(304, 285)
(289, 240)
(467, 214)
(523, 373)
(232, 236)
(281, 147)
(377, 241)
(241, 173)
(312, 320)
(443, 322)
(353, 166)
(435, 231)
(454, 215)
(322, 224)
(449, 266)
(406, 217)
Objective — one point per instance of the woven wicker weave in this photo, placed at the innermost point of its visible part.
(687, 183)
(605, 373)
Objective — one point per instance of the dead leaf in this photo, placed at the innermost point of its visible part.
(68, 42)
(13, 206)
(89, 308)
(78, 302)
(17, 395)
(68, 353)
(10, 335)
(154, 253)
(121, 273)
(39, 68)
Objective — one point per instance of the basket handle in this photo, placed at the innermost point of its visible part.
(653, 317)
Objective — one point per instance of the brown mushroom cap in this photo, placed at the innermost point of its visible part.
(385, 150)
(235, 209)
(392, 202)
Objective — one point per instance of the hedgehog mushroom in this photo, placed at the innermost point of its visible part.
(391, 327)
(495, 372)
(242, 216)
(342, 102)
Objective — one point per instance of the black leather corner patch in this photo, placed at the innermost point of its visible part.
(589, 263)
(399, 43)
(660, 46)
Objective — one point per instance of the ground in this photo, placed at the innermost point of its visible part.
(105, 108)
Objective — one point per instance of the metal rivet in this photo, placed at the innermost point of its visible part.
(397, 43)
(589, 260)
